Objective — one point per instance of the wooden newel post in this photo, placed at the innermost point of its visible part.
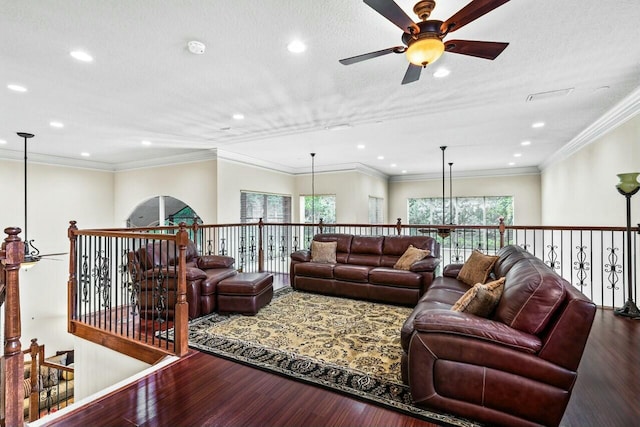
(399, 226)
(181, 313)
(11, 256)
(72, 283)
(502, 229)
(260, 247)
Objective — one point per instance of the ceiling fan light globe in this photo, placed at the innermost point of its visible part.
(425, 51)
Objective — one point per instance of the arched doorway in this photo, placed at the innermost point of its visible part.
(162, 210)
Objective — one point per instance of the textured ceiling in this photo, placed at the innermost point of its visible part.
(145, 85)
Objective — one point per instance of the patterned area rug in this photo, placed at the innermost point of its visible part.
(346, 345)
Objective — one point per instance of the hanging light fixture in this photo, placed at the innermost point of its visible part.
(450, 195)
(313, 189)
(31, 253)
(443, 232)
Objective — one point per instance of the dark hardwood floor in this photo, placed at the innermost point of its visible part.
(203, 390)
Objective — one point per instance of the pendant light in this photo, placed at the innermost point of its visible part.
(450, 195)
(442, 231)
(313, 189)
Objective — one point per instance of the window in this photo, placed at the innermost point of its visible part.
(462, 210)
(269, 207)
(324, 207)
(375, 210)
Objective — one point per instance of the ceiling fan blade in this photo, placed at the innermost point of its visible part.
(54, 254)
(365, 56)
(470, 13)
(390, 10)
(486, 50)
(412, 74)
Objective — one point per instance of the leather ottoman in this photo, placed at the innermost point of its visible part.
(245, 293)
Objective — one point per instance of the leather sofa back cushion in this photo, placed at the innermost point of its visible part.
(343, 241)
(532, 293)
(165, 253)
(206, 262)
(397, 245)
(367, 245)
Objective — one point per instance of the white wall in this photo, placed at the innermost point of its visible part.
(580, 190)
(97, 367)
(525, 190)
(56, 195)
(193, 183)
(352, 190)
(235, 177)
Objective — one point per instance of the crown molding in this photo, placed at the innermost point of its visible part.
(616, 116)
(47, 159)
(196, 156)
(488, 173)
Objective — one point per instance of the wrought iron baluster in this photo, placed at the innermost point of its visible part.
(553, 257)
(85, 278)
(613, 268)
(581, 266)
(223, 246)
(161, 293)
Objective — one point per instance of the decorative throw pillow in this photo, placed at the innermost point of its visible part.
(49, 376)
(481, 299)
(27, 386)
(67, 375)
(477, 268)
(323, 252)
(411, 255)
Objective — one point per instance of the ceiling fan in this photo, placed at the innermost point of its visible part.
(423, 41)
(31, 254)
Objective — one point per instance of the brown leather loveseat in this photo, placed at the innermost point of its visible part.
(516, 367)
(155, 275)
(364, 268)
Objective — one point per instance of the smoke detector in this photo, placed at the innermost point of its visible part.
(196, 47)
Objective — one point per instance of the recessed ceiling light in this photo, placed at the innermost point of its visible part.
(196, 47)
(238, 116)
(525, 143)
(85, 154)
(56, 125)
(296, 46)
(361, 146)
(393, 165)
(517, 155)
(404, 171)
(537, 125)
(2, 141)
(17, 88)
(145, 142)
(81, 56)
(512, 163)
(380, 157)
(441, 72)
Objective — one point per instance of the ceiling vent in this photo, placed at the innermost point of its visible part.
(550, 94)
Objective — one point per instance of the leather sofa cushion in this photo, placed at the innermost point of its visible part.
(165, 252)
(367, 245)
(213, 276)
(531, 295)
(314, 269)
(193, 273)
(364, 259)
(352, 273)
(215, 261)
(397, 278)
(343, 244)
(395, 246)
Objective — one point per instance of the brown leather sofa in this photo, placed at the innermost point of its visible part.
(155, 275)
(364, 268)
(517, 367)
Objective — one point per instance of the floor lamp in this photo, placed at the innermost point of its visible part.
(628, 186)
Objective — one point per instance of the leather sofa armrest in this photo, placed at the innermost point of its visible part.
(193, 273)
(426, 264)
(471, 326)
(302, 256)
(205, 262)
(452, 270)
